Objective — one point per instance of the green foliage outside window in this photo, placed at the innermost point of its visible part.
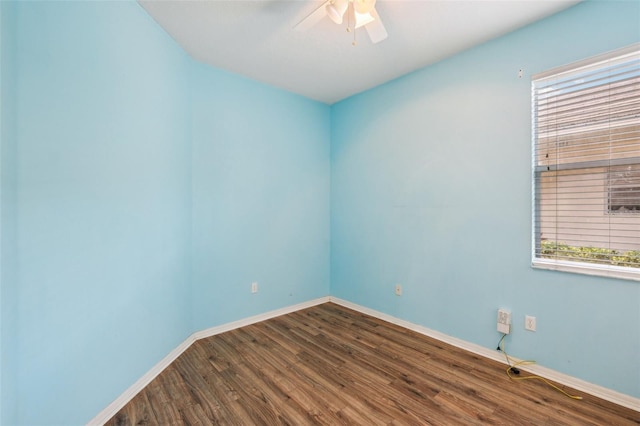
(553, 250)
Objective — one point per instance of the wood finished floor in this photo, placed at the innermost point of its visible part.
(331, 365)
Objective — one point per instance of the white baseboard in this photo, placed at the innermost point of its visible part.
(578, 384)
(258, 318)
(111, 409)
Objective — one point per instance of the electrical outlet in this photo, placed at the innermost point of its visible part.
(530, 323)
(254, 287)
(398, 290)
(504, 321)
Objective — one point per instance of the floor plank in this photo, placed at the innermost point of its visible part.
(329, 365)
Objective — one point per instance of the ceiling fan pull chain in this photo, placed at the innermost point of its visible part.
(353, 43)
(355, 22)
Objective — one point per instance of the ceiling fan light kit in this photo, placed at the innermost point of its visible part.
(364, 6)
(336, 10)
(362, 13)
(363, 19)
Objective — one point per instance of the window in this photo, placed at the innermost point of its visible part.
(586, 166)
(624, 189)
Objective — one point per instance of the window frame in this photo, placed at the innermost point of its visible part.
(586, 268)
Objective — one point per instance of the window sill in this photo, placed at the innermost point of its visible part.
(588, 269)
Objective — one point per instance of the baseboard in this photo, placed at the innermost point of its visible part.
(111, 410)
(578, 384)
(258, 318)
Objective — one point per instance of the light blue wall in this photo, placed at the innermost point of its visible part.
(102, 181)
(260, 198)
(431, 188)
(126, 168)
(8, 220)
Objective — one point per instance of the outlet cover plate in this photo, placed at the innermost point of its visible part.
(504, 321)
(530, 323)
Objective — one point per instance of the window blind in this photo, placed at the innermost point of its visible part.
(586, 166)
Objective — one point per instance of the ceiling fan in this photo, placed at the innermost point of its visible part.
(357, 13)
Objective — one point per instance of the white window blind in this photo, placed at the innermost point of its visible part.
(586, 166)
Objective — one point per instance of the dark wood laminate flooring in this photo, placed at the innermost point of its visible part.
(330, 365)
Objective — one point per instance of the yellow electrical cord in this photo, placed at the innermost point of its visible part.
(533, 377)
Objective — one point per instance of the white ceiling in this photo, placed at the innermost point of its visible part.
(256, 38)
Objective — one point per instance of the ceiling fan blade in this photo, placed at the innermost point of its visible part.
(313, 18)
(376, 29)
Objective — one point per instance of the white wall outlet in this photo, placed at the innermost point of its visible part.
(398, 290)
(530, 323)
(254, 287)
(504, 321)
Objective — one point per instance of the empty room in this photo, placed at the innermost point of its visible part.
(320, 212)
